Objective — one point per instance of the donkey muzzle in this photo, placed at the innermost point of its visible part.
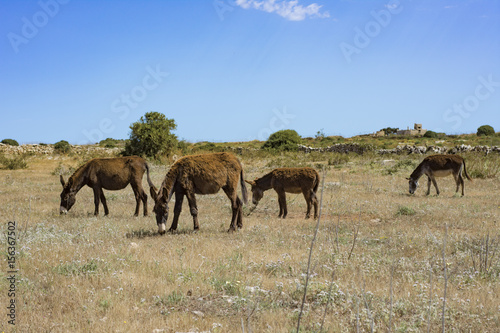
(161, 228)
(62, 210)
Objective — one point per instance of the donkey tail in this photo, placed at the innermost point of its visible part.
(316, 185)
(465, 172)
(147, 175)
(244, 193)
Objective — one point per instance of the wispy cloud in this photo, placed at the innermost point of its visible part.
(291, 10)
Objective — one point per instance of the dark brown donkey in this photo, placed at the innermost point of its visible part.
(291, 180)
(199, 174)
(110, 174)
(439, 166)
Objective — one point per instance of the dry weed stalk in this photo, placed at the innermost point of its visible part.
(485, 251)
(311, 249)
(430, 299)
(445, 278)
(390, 293)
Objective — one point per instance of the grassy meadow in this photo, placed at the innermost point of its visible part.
(383, 260)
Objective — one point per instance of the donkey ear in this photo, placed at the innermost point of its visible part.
(251, 182)
(154, 192)
(62, 180)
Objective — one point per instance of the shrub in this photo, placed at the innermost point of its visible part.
(18, 162)
(10, 142)
(283, 140)
(62, 147)
(431, 134)
(338, 159)
(183, 146)
(151, 136)
(390, 130)
(486, 130)
(108, 143)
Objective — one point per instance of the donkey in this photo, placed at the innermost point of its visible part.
(110, 174)
(199, 174)
(291, 180)
(439, 166)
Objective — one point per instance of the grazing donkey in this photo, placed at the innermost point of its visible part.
(110, 174)
(439, 166)
(291, 180)
(199, 174)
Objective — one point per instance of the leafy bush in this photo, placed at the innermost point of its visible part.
(10, 142)
(283, 140)
(18, 162)
(406, 165)
(390, 130)
(108, 143)
(486, 130)
(338, 159)
(431, 134)
(151, 136)
(62, 147)
(183, 146)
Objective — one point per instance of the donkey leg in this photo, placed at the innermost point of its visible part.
(283, 204)
(194, 209)
(104, 204)
(240, 213)
(179, 197)
(428, 185)
(235, 206)
(137, 200)
(97, 199)
(460, 181)
(307, 197)
(144, 197)
(433, 179)
(314, 200)
(140, 196)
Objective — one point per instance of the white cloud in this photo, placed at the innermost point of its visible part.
(291, 10)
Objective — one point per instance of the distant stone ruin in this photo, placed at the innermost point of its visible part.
(416, 131)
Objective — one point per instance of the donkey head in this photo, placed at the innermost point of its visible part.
(160, 209)
(257, 192)
(68, 196)
(413, 185)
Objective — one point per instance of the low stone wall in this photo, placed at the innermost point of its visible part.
(400, 150)
(37, 149)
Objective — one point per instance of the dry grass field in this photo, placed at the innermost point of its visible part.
(377, 262)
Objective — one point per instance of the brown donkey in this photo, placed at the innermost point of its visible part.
(291, 180)
(199, 174)
(110, 174)
(439, 166)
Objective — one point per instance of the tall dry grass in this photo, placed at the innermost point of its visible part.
(82, 273)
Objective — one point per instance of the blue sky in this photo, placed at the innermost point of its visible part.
(238, 70)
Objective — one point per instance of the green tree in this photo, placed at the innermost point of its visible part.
(431, 134)
(11, 142)
(151, 136)
(283, 140)
(486, 130)
(62, 147)
(390, 130)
